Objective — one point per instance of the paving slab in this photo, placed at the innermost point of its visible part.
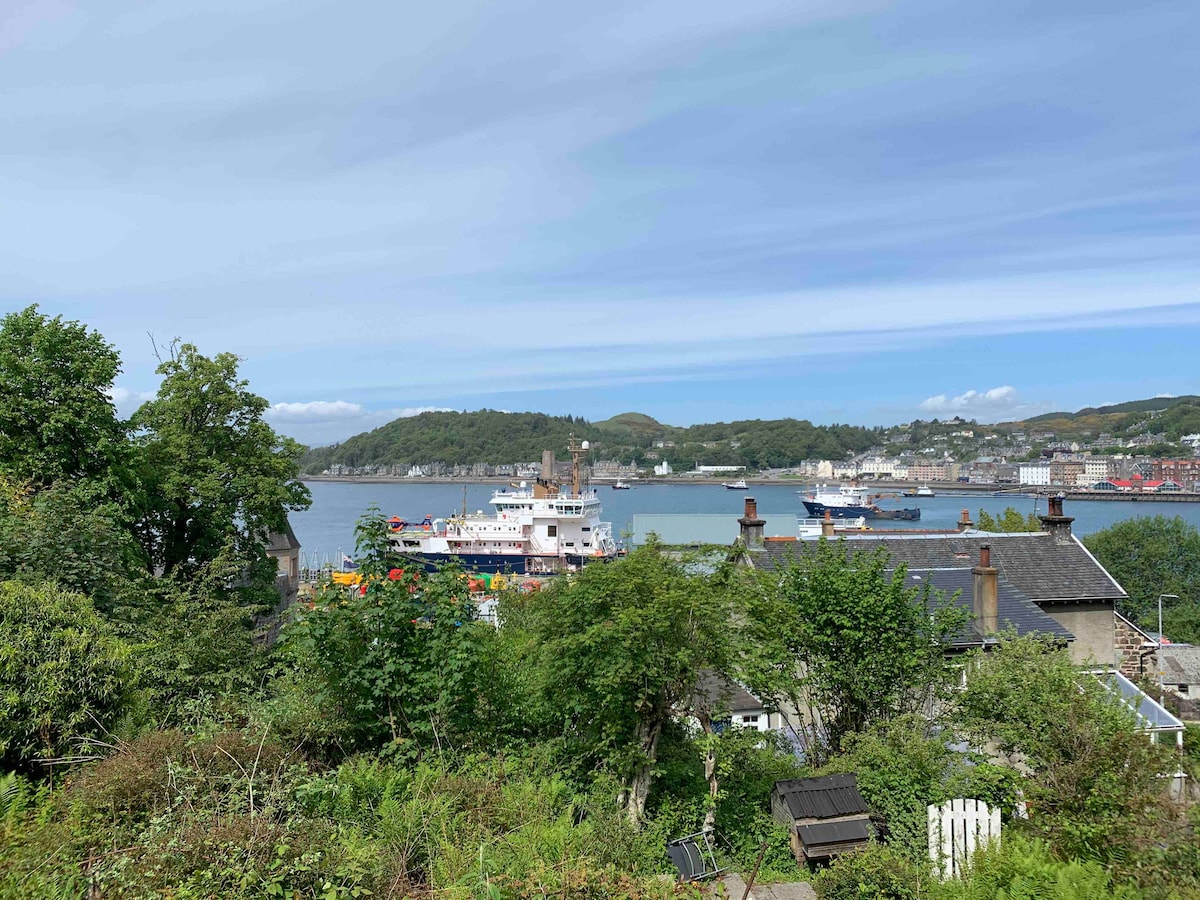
(785, 890)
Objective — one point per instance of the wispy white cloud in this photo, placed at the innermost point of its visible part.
(126, 400)
(989, 405)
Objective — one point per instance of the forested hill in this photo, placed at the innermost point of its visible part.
(489, 436)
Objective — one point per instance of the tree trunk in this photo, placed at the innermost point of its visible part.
(638, 789)
(710, 769)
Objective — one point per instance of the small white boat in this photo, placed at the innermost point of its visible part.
(619, 485)
(739, 485)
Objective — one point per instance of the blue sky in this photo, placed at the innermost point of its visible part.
(838, 210)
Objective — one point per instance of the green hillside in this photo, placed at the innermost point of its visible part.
(488, 436)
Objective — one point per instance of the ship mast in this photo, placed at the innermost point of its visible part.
(577, 451)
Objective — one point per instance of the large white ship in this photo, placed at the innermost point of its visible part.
(538, 530)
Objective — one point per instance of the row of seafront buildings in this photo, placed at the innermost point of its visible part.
(1079, 470)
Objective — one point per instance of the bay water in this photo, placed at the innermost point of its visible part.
(326, 529)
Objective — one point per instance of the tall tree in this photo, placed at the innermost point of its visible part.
(56, 417)
(619, 650)
(1150, 556)
(843, 640)
(216, 477)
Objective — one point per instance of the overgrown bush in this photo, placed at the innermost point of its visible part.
(64, 674)
(1023, 869)
(875, 873)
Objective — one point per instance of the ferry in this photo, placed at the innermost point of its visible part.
(739, 485)
(851, 502)
(538, 530)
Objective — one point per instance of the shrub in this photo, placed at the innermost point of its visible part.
(64, 675)
(875, 872)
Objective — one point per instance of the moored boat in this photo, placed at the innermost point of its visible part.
(620, 485)
(739, 485)
(538, 530)
(851, 502)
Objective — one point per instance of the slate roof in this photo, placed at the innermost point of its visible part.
(1181, 664)
(721, 693)
(1040, 565)
(1016, 611)
(833, 833)
(282, 541)
(823, 797)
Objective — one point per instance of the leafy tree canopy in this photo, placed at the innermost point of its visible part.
(215, 475)
(1008, 521)
(617, 648)
(56, 417)
(840, 636)
(1149, 556)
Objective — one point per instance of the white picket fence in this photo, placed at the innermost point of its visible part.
(956, 828)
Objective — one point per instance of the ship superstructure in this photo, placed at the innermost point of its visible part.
(850, 502)
(534, 530)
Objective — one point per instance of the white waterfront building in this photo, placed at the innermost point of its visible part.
(1037, 474)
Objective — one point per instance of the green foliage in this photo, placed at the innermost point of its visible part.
(64, 675)
(1149, 556)
(875, 873)
(235, 814)
(1095, 790)
(215, 476)
(616, 648)
(490, 436)
(904, 765)
(839, 636)
(1008, 521)
(1023, 869)
(69, 532)
(396, 660)
(56, 418)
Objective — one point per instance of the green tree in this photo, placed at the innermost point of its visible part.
(64, 674)
(56, 417)
(215, 476)
(70, 532)
(1094, 788)
(843, 638)
(1008, 521)
(618, 648)
(396, 657)
(1149, 556)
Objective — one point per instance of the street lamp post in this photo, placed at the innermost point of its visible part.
(1158, 655)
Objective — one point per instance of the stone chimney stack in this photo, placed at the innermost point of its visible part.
(751, 526)
(1055, 522)
(987, 594)
(827, 525)
(547, 465)
(964, 521)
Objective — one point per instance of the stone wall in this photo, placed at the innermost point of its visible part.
(1132, 645)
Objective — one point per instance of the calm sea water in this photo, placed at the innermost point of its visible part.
(326, 529)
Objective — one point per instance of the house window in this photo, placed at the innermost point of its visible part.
(1183, 689)
(551, 531)
(749, 720)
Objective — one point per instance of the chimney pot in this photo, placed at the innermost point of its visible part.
(752, 526)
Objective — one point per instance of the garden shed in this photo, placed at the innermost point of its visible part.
(826, 816)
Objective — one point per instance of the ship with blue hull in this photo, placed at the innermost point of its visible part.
(539, 529)
(851, 502)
